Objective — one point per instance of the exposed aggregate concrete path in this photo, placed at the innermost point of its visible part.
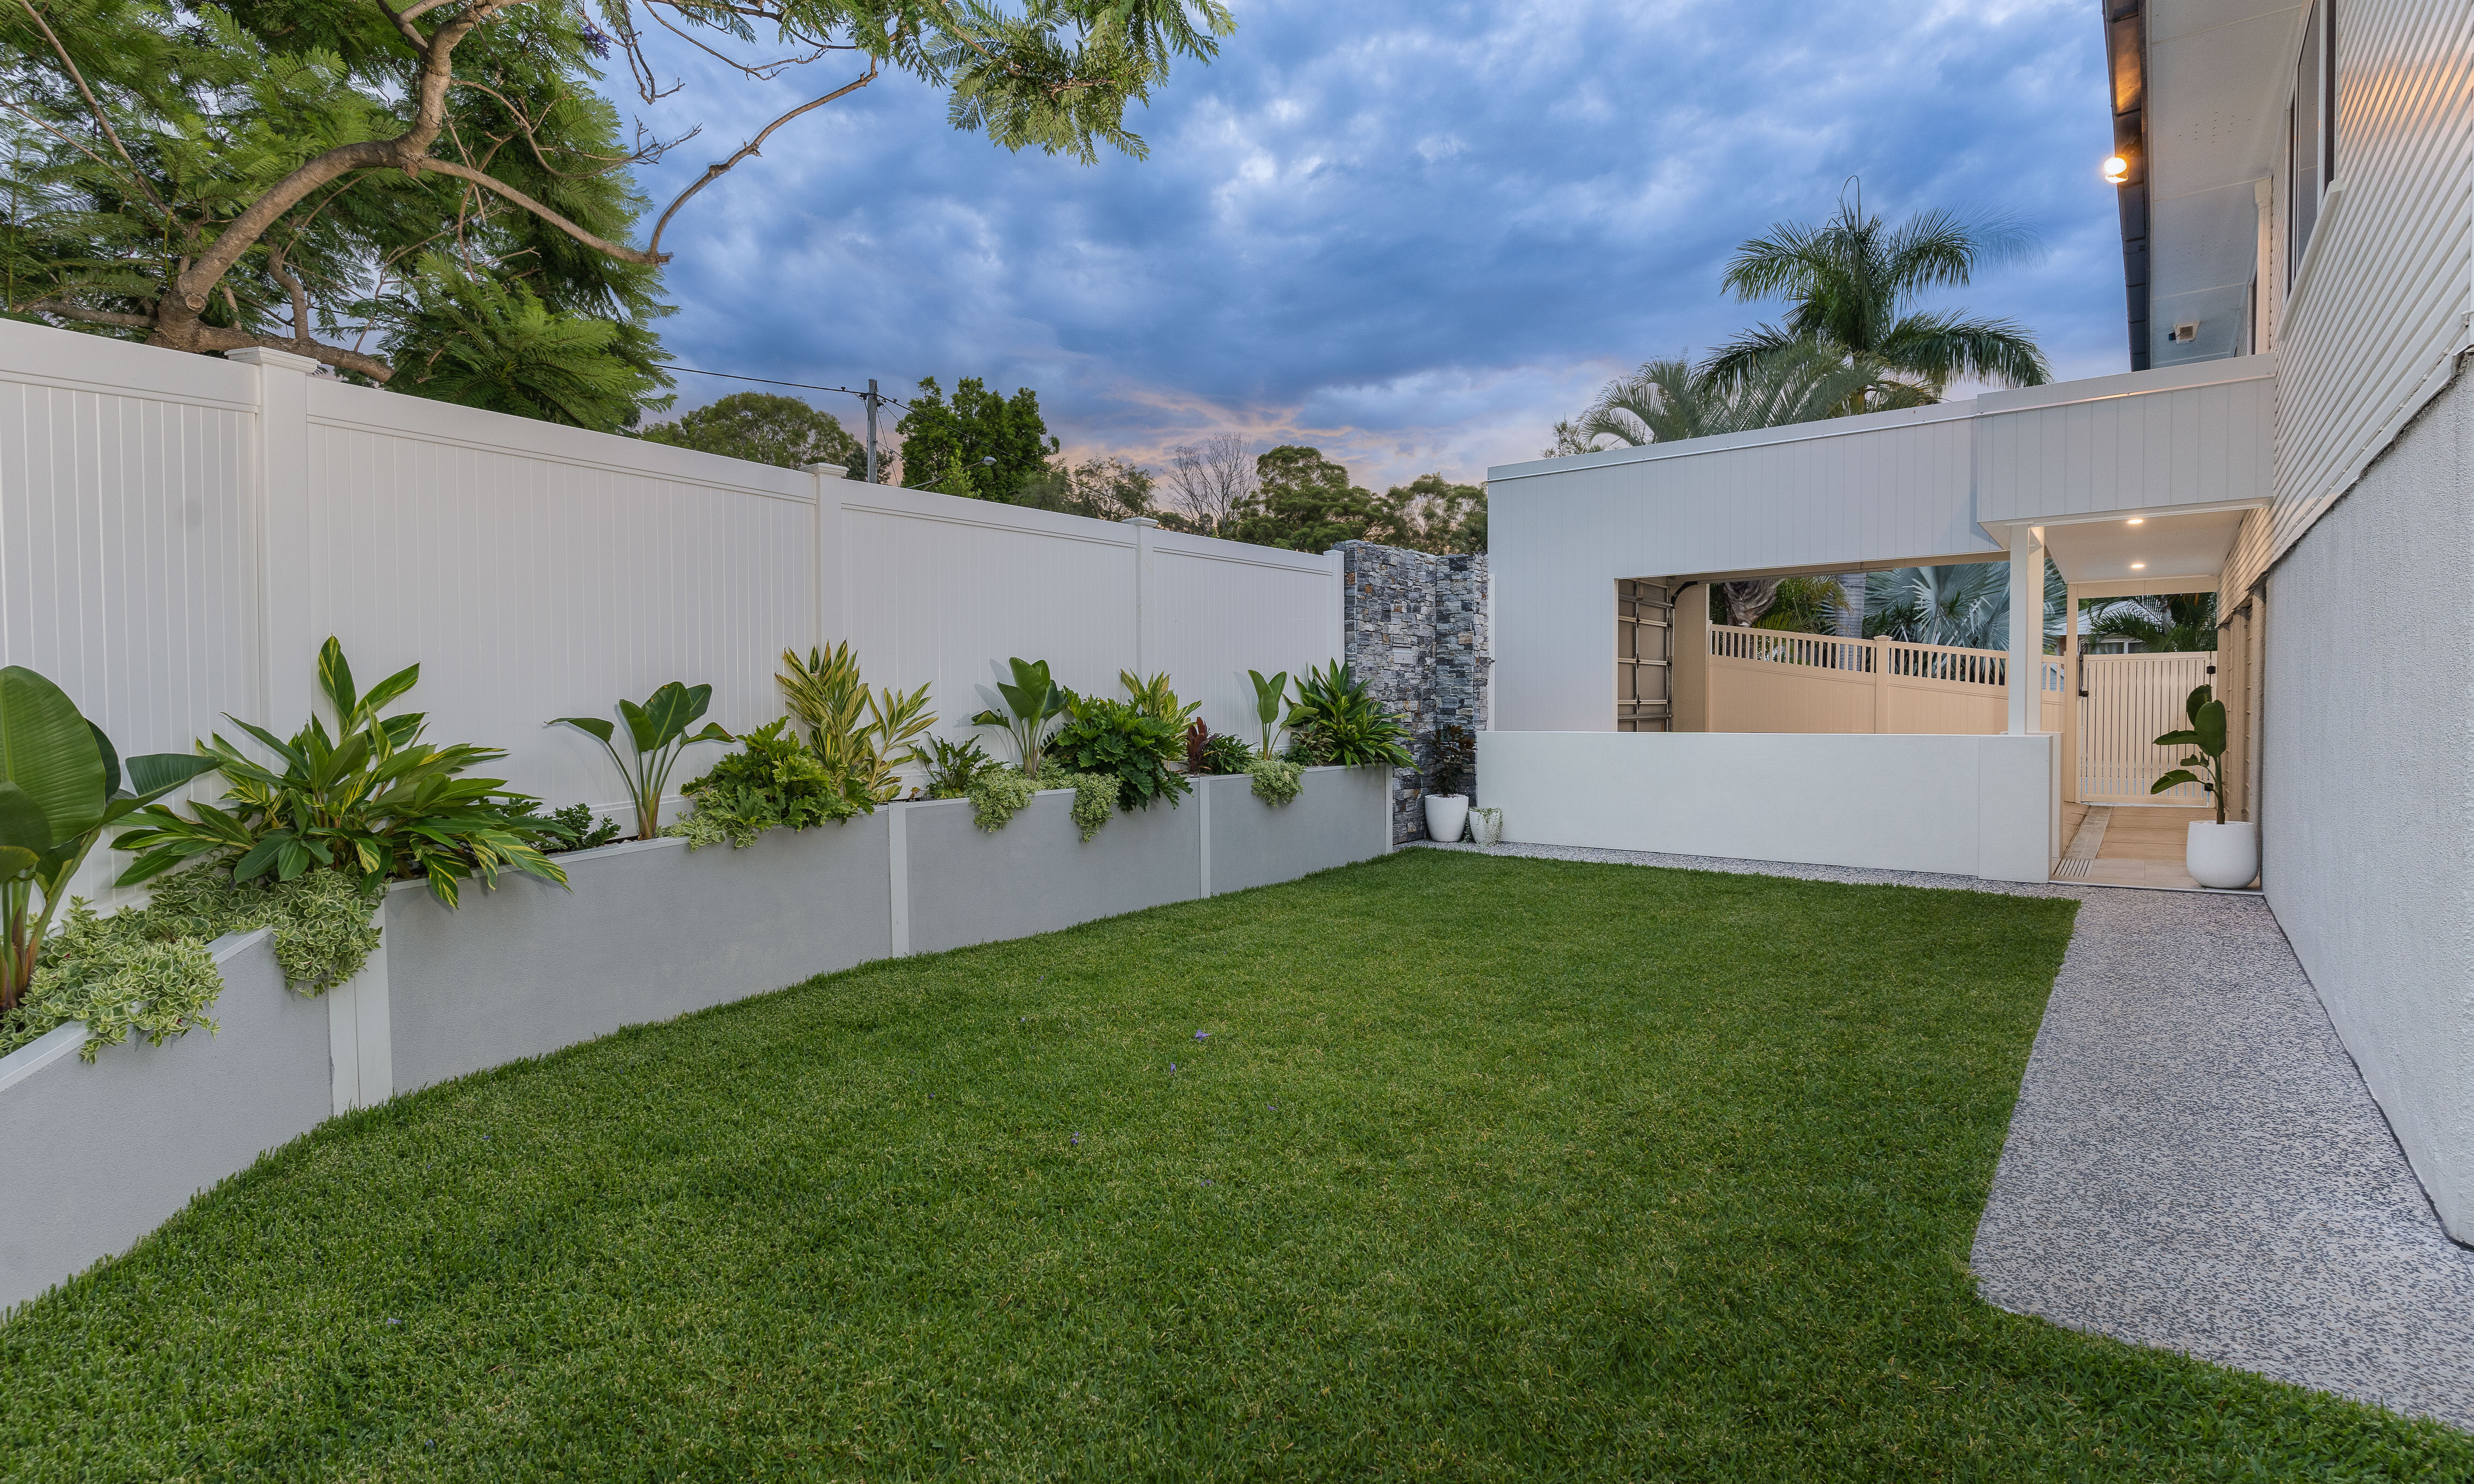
(2195, 1163)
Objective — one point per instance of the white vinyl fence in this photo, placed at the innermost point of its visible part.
(2131, 701)
(178, 534)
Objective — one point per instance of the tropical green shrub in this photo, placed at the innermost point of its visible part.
(2207, 733)
(1154, 699)
(1350, 728)
(953, 767)
(1308, 748)
(1117, 738)
(997, 796)
(657, 732)
(1000, 794)
(1267, 696)
(1455, 760)
(371, 800)
(146, 969)
(1033, 704)
(860, 736)
(1225, 753)
(61, 787)
(773, 781)
(575, 828)
(1277, 779)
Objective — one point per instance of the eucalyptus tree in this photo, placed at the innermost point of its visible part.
(310, 175)
(1852, 284)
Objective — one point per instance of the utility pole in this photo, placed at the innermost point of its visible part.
(872, 400)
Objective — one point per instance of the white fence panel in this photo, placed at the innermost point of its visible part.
(2131, 700)
(1222, 608)
(535, 571)
(178, 534)
(129, 567)
(943, 590)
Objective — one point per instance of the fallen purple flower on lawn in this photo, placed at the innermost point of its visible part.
(1202, 1035)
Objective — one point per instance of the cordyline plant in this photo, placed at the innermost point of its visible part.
(860, 736)
(62, 784)
(370, 800)
(2207, 733)
(221, 174)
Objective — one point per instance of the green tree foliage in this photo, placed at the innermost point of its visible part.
(1305, 502)
(948, 446)
(492, 343)
(763, 428)
(2176, 623)
(1852, 284)
(1667, 401)
(212, 108)
(1103, 488)
(1805, 605)
(211, 175)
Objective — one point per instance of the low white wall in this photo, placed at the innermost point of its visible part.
(94, 1157)
(1970, 806)
(2368, 857)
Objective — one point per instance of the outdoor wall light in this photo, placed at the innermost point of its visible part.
(2137, 521)
(2139, 566)
(2116, 170)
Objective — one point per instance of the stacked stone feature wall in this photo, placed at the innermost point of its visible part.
(1416, 627)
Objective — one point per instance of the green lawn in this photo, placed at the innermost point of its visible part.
(1487, 1168)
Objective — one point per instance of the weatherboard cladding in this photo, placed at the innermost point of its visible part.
(2379, 317)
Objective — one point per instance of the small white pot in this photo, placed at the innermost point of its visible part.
(1486, 825)
(2225, 856)
(1445, 816)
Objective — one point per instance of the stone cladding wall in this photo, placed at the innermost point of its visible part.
(1416, 630)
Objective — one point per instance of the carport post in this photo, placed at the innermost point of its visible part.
(2027, 629)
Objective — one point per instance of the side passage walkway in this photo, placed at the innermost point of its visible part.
(2195, 1165)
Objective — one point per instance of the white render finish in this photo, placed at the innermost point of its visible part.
(2366, 785)
(178, 534)
(1970, 806)
(1939, 484)
(96, 1156)
(100, 1154)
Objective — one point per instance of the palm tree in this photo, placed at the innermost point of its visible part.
(1852, 282)
(1669, 401)
(2179, 623)
(1965, 604)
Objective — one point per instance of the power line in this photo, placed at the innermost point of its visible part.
(770, 382)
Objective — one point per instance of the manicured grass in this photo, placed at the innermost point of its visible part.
(1494, 1169)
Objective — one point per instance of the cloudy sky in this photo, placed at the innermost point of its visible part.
(1413, 235)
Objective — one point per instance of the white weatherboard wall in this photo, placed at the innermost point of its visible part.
(2368, 784)
(2377, 315)
(178, 534)
(1884, 490)
(1962, 805)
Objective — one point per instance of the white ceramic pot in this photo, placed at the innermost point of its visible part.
(2222, 855)
(1445, 815)
(1486, 825)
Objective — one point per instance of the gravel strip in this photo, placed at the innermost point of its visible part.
(2195, 1165)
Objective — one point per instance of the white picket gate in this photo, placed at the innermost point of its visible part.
(2132, 700)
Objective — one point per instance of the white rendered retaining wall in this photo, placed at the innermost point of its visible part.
(2365, 854)
(96, 1156)
(1965, 806)
(179, 533)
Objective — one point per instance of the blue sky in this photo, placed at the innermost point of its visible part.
(1411, 235)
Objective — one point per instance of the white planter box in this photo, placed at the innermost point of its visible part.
(97, 1155)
